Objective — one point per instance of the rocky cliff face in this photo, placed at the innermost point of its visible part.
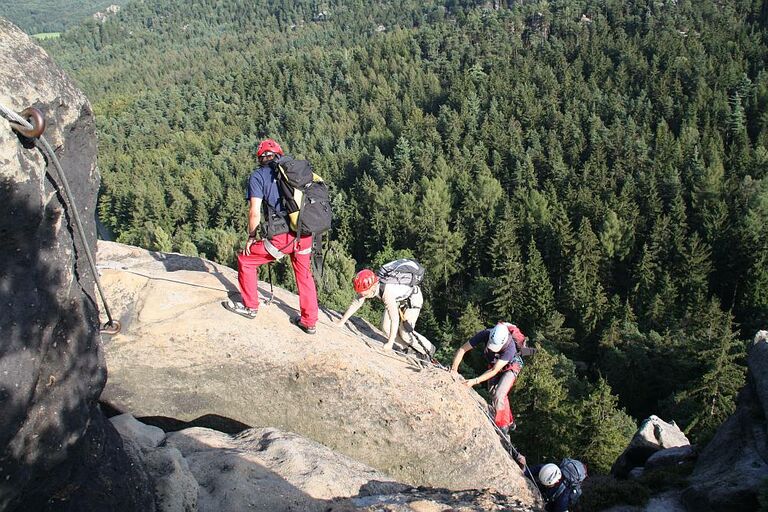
(182, 356)
(732, 470)
(56, 450)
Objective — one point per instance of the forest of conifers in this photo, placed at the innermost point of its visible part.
(35, 16)
(594, 171)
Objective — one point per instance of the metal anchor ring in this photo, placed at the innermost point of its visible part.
(112, 327)
(35, 118)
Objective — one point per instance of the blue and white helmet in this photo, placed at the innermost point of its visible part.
(498, 337)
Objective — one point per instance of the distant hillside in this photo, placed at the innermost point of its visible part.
(35, 16)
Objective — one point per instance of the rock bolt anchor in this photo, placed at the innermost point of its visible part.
(30, 123)
(34, 117)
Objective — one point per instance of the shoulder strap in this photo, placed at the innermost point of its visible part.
(298, 218)
(318, 257)
(265, 215)
(560, 490)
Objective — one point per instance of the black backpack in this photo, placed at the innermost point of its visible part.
(305, 199)
(403, 271)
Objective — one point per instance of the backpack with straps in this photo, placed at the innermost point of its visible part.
(574, 472)
(403, 271)
(304, 196)
(520, 340)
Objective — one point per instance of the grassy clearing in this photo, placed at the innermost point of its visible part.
(47, 35)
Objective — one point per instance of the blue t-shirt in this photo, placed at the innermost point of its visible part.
(507, 353)
(262, 184)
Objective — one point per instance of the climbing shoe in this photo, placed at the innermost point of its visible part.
(297, 322)
(239, 308)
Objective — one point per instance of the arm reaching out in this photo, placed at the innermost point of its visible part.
(460, 356)
(351, 310)
(489, 374)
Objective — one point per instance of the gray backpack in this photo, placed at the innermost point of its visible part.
(574, 472)
(403, 271)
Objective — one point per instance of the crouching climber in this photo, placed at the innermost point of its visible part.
(560, 484)
(503, 353)
(397, 284)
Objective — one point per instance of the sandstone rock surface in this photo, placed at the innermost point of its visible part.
(270, 470)
(56, 448)
(181, 355)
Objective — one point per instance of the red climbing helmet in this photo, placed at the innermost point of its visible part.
(269, 145)
(365, 280)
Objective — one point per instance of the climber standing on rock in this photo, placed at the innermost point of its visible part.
(504, 344)
(270, 239)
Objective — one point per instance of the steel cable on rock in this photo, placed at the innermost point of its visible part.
(506, 441)
(21, 125)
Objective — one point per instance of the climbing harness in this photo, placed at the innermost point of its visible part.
(30, 123)
(415, 339)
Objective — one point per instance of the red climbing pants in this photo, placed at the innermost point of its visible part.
(501, 385)
(248, 273)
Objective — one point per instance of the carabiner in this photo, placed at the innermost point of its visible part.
(35, 118)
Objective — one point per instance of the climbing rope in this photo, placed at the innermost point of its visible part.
(506, 442)
(400, 355)
(34, 131)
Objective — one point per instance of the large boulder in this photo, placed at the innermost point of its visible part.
(271, 470)
(57, 452)
(265, 469)
(731, 471)
(182, 356)
(653, 435)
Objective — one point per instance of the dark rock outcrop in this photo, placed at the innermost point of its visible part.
(732, 469)
(671, 457)
(57, 452)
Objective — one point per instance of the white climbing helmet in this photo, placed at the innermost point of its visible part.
(498, 337)
(550, 475)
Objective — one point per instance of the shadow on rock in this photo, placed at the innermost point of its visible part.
(174, 262)
(56, 452)
(167, 424)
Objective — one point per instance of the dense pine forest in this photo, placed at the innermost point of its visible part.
(45, 16)
(594, 171)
